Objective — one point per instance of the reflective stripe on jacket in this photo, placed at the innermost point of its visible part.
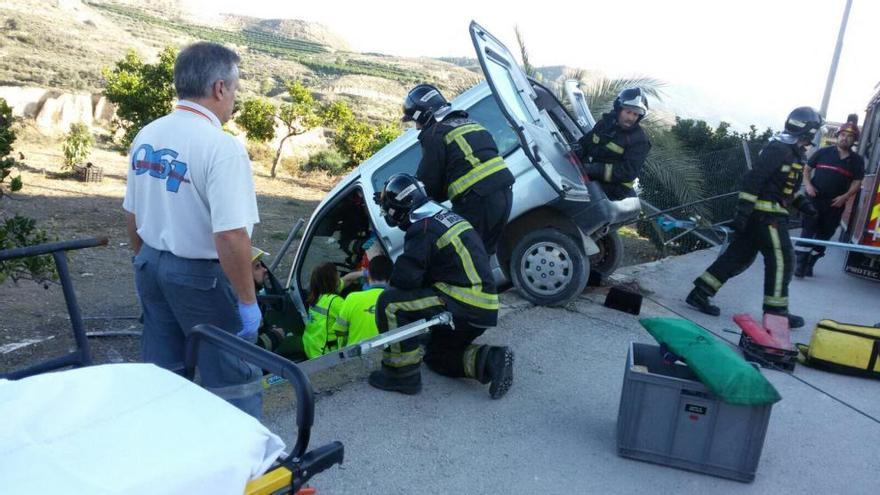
(458, 156)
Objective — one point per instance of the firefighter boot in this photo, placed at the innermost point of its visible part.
(406, 380)
(811, 262)
(795, 321)
(700, 300)
(801, 262)
(494, 365)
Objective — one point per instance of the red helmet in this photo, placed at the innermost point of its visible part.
(851, 128)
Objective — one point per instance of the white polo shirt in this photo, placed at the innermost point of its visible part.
(188, 179)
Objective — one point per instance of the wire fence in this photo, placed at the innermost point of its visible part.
(707, 206)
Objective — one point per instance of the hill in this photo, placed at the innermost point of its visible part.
(64, 44)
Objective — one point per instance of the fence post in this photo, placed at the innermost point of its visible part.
(745, 145)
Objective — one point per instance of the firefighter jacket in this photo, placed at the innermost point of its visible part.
(318, 337)
(357, 318)
(770, 186)
(444, 252)
(612, 154)
(458, 156)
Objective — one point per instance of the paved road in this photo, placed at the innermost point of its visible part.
(555, 431)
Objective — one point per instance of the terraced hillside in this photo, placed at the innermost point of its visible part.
(63, 44)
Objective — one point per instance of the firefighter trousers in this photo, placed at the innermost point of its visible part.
(765, 234)
(488, 215)
(820, 227)
(445, 350)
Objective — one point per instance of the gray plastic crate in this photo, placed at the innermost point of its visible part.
(669, 417)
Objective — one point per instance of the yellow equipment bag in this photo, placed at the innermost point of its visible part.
(843, 348)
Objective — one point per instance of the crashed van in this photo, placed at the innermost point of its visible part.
(561, 226)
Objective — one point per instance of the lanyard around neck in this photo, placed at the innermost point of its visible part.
(195, 111)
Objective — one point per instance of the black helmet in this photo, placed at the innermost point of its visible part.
(634, 99)
(421, 102)
(401, 194)
(803, 123)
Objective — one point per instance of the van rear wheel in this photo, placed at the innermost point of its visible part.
(548, 268)
(609, 256)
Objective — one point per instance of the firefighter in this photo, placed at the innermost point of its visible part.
(833, 176)
(460, 162)
(614, 150)
(443, 267)
(759, 223)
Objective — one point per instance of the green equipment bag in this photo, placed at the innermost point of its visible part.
(843, 348)
(721, 369)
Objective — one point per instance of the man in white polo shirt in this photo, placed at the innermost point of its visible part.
(190, 207)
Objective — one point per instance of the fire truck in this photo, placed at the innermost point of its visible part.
(863, 226)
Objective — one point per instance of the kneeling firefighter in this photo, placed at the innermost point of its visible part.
(443, 267)
(761, 217)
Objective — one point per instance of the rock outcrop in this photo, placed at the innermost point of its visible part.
(53, 111)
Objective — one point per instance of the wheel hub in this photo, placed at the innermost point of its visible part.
(546, 268)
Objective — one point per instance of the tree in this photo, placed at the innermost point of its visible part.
(298, 116)
(77, 145)
(355, 139)
(699, 137)
(141, 92)
(257, 118)
(17, 231)
(528, 68)
(384, 135)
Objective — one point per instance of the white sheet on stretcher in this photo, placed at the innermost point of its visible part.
(126, 428)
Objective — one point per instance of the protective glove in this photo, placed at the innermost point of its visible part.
(250, 321)
(739, 222)
(741, 216)
(805, 206)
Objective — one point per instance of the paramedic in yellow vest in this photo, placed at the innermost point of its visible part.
(357, 318)
(324, 303)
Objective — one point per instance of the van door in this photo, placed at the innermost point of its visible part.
(578, 101)
(540, 138)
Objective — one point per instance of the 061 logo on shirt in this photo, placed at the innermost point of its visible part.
(160, 164)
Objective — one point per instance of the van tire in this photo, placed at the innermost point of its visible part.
(548, 268)
(609, 256)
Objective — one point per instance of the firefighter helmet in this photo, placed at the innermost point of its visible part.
(633, 99)
(803, 123)
(850, 128)
(421, 103)
(402, 193)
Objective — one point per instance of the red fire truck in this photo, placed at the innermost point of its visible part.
(863, 226)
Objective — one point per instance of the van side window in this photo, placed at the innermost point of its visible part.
(485, 111)
(406, 162)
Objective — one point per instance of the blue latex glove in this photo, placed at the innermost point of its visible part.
(250, 321)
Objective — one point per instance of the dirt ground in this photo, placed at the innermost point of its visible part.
(34, 324)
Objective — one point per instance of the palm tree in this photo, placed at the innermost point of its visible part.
(671, 175)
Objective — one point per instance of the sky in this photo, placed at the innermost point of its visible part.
(745, 61)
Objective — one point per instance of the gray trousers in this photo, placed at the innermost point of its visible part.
(178, 293)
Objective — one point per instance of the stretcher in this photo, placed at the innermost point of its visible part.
(768, 344)
(139, 429)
